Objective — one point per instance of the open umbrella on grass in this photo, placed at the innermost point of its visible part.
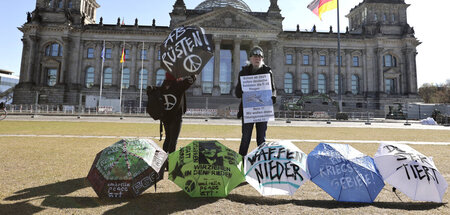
(127, 168)
(206, 169)
(411, 172)
(344, 173)
(276, 168)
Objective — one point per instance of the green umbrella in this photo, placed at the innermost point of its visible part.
(127, 168)
(206, 169)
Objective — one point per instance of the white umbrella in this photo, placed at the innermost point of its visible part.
(411, 172)
(276, 168)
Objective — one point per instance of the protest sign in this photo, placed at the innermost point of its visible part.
(257, 98)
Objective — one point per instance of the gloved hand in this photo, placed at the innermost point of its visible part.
(190, 79)
(274, 99)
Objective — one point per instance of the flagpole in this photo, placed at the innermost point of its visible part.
(142, 75)
(339, 59)
(101, 74)
(121, 77)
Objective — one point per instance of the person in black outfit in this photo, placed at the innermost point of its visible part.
(256, 67)
(174, 99)
(173, 92)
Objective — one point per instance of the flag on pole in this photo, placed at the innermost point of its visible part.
(103, 51)
(319, 7)
(123, 21)
(122, 58)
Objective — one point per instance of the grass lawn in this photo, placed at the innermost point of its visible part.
(47, 174)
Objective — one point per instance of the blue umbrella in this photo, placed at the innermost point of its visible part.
(344, 173)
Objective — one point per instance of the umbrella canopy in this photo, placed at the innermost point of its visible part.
(344, 173)
(206, 169)
(186, 51)
(411, 172)
(276, 168)
(127, 168)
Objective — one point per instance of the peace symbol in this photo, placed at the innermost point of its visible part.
(169, 103)
(192, 63)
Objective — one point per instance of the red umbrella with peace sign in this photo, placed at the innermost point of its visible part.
(186, 51)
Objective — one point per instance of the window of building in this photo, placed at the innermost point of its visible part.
(50, 3)
(160, 76)
(243, 58)
(208, 76)
(384, 17)
(389, 85)
(337, 60)
(51, 77)
(225, 71)
(389, 61)
(53, 50)
(375, 17)
(288, 83)
(143, 54)
(126, 78)
(355, 60)
(108, 53)
(289, 59)
(60, 4)
(393, 18)
(305, 59)
(305, 83)
(107, 77)
(143, 75)
(89, 79)
(70, 4)
(336, 84)
(90, 53)
(159, 55)
(355, 84)
(321, 83)
(323, 60)
(127, 54)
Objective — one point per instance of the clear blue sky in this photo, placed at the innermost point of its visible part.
(425, 17)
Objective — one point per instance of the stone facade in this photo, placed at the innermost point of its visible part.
(62, 54)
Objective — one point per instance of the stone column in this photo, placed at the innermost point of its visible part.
(151, 63)
(236, 64)
(133, 72)
(79, 68)
(216, 82)
(98, 62)
(297, 75)
(348, 73)
(331, 74)
(363, 65)
(315, 63)
(25, 76)
(65, 60)
(379, 72)
(413, 73)
(33, 41)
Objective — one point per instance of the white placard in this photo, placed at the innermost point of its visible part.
(257, 98)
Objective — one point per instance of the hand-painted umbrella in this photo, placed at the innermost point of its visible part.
(276, 168)
(127, 168)
(206, 169)
(186, 51)
(411, 172)
(344, 173)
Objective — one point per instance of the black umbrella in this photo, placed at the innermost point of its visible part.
(186, 51)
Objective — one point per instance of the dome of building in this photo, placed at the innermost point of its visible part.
(210, 4)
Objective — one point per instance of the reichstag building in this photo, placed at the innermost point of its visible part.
(62, 54)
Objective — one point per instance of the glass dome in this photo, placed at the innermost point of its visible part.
(210, 4)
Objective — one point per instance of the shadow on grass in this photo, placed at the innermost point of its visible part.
(55, 189)
(332, 204)
(148, 203)
(19, 208)
(54, 196)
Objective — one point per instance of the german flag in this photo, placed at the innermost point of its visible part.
(319, 7)
(122, 58)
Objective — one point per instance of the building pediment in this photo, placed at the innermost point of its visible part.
(391, 73)
(230, 18)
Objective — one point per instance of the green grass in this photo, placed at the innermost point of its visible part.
(47, 175)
